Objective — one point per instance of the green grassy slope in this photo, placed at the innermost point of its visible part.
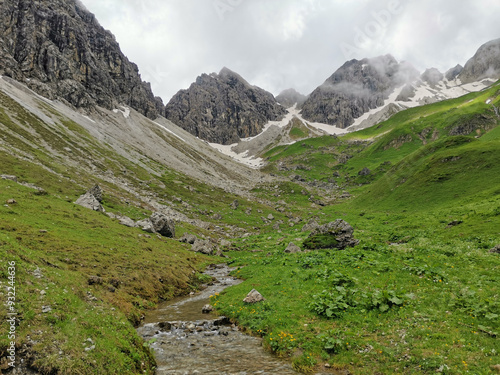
(419, 294)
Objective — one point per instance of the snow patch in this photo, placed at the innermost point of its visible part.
(488, 101)
(169, 131)
(124, 110)
(242, 158)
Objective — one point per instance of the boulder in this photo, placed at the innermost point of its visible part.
(128, 222)
(495, 250)
(334, 235)
(87, 200)
(146, 225)
(163, 225)
(203, 246)
(235, 204)
(292, 249)
(207, 309)
(9, 177)
(310, 226)
(96, 191)
(188, 238)
(11, 201)
(253, 297)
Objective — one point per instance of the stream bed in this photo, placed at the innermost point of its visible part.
(186, 341)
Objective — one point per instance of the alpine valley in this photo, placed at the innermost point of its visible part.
(367, 213)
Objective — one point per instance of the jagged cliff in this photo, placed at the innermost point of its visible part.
(289, 97)
(222, 108)
(60, 51)
(355, 88)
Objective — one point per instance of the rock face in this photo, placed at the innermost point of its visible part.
(60, 51)
(292, 249)
(356, 88)
(484, 64)
(222, 108)
(334, 235)
(453, 72)
(287, 98)
(432, 76)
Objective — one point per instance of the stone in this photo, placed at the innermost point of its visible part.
(495, 368)
(96, 191)
(364, 172)
(235, 204)
(163, 225)
(9, 177)
(495, 250)
(87, 200)
(310, 226)
(11, 201)
(225, 243)
(128, 222)
(334, 235)
(146, 225)
(292, 249)
(203, 246)
(270, 217)
(94, 280)
(46, 309)
(253, 297)
(248, 211)
(188, 238)
(207, 309)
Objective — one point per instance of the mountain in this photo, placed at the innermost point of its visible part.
(484, 64)
(60, 51)
(289, 97)
(356, 88)
(223, 108)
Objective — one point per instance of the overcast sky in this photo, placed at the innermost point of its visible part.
(278, 44)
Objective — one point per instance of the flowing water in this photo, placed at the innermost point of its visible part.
(186, 341)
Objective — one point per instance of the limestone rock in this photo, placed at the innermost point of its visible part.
(223, 108)
(207, 309)
(60, 51)
(453, 73)
(310, 226)
(128, 222)
(163, 225)
(292, 249)
(96, 191)
(356, 88)
(253, 297)
(87, 200)
(334, 235)
(146, 225)
(204, 247)
(188, 238)
(9, 177)
(484, 64)
(495, 250)
(432, 76)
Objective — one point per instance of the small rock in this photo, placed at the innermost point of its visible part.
(11, 201)
(90, 348)
(270, 217)
(46, 309)
(166, 326)
(292, 248)
(235, 204)
(207, 309)
(9, 177)
(253, 297)
(188, 238)
(146, 225)
(43, 231)
(43, 292)
(495, 250)
(92, 280)
(495, 368)
(128, 222)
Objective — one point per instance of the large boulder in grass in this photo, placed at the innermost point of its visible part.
(89, 201)
(163, 225)
(334, 235)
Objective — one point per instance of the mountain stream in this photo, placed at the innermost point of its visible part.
(186, 341)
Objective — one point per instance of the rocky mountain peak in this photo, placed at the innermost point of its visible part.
(432, 76)
(484, 64)
(61, 52)
(355, 88)
(453, 73)
(289, 97)
(223, 108)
